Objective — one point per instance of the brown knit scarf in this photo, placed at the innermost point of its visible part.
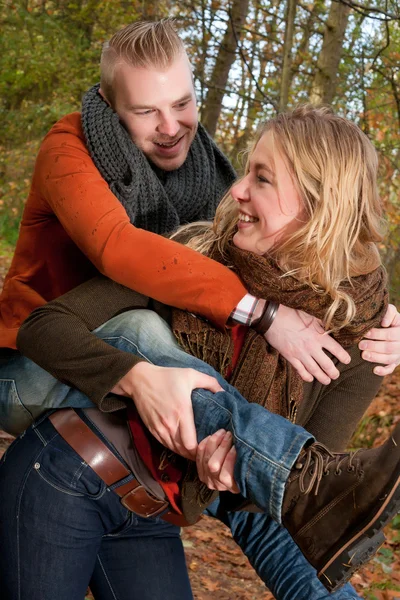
(261, 374)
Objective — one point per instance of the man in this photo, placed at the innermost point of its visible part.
(91, 183)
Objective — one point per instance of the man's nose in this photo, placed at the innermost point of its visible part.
(168, 125)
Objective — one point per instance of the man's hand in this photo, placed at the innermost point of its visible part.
(383, 345)
(162, 396)
(215, 461)
(300, 338)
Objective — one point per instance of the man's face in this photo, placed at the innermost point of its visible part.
(158, 108)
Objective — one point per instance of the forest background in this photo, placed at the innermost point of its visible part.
(251, 59)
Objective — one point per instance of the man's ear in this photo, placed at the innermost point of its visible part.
(103, 96)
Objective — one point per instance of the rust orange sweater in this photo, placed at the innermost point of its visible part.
(73, 226)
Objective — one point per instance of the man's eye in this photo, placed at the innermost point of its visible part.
(145, 112)
(182, 105)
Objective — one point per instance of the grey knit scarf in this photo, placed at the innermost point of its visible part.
(155, 200)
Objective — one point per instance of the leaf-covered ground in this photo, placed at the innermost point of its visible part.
(218, 569)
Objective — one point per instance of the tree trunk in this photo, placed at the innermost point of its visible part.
(325, 80)
(224, 61)
(302, 55)
(255, 108)
(287, 54)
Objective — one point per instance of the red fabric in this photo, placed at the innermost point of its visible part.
(73, 226)
(238, 334)
(154, 456)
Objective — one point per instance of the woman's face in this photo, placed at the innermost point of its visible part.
(268, 200)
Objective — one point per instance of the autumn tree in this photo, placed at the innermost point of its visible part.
(236, 17)
(324, 83)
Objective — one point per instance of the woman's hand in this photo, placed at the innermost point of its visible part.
(383, 344)
(301, 339)
(162, 396)
(215, 461)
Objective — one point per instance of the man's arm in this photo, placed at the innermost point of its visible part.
(75, 192)
(73, 189)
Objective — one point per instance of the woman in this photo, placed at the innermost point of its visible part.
(298, 210)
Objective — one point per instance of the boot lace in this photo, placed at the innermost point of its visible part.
(317, 461)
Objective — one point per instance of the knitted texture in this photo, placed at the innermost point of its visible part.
(156, 200)
(261, 374)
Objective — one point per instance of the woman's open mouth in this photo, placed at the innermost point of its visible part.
(245, 218)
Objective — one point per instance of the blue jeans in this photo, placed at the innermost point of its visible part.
(264, 461)
(26, 391)
(62, 529)
(276, 558)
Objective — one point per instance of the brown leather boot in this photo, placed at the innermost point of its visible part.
(335, 506)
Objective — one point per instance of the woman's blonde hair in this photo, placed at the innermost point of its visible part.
(334, 166)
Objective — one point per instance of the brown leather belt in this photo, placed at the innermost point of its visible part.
(109, 468)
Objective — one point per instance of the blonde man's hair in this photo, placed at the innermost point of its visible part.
(334, 167)
(141, 44)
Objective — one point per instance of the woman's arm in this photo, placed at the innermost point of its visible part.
(331, 413)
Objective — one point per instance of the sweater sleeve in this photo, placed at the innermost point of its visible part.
(57, 336)
(96, 221)
(331, 413)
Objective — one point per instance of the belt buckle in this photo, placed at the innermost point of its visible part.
(139, 501)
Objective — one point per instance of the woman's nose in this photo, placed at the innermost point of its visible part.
(240, 190)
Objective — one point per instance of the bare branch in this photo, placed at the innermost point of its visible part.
(312, 12)
(387, 40)
(229, 91)
(395, 89)
(369, 10)
(270, 101)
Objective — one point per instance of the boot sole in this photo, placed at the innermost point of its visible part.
(362, 546)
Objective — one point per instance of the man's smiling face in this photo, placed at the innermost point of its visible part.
(158, 108)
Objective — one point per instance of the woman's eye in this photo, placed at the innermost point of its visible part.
(262, 179)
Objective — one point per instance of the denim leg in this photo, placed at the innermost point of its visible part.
(146, 562)
(269, 547)
(276, 558)
(61, 528)
(267, 444)
(27, 391)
